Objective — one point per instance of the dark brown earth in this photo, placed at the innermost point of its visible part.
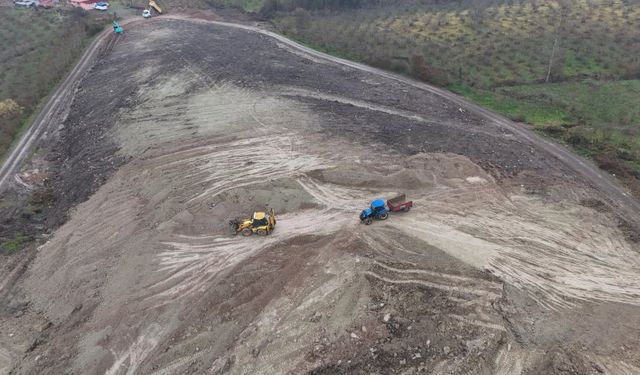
(181, 125)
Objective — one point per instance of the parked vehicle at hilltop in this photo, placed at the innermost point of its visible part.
(101, 6)
(154, 8)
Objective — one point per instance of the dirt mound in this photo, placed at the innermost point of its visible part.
(144, 277)
(421, 171)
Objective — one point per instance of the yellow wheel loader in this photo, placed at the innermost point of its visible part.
(149, 11)
(154, 5)
(262, 223)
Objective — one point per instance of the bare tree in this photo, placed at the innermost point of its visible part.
(557, 56)
(553, 52)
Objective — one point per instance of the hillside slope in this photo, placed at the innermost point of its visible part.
(510, 262)
(37, 48)
(570, 69)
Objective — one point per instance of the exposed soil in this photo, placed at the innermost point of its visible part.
(509, 263)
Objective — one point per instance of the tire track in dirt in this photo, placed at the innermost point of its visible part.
(473, 296)
(300, 93)
(459, 280)
(129, 360)
(189, 266)
(623, 200)
(148, 247)
(542, 250)
(458, 290)
(334, 196)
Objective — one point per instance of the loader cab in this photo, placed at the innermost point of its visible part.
(259, 219)
(261, 223)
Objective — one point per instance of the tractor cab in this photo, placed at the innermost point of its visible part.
(378, 206)
(377, 210)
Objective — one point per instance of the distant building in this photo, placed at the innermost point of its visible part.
(84, 4)
(47, 3)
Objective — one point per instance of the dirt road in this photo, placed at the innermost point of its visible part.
(58, 102)
(509, 263)
(61, 96)
(600, 179)
(623, 200)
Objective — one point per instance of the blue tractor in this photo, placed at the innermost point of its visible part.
(377, 211)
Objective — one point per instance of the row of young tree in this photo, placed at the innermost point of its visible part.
(271, 7)
(32, 73)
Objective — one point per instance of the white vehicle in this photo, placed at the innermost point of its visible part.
(26, 3)
(101, 6)
(146, 13)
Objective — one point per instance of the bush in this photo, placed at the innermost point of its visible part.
(14, 244)
(577, 139)
(419, 68)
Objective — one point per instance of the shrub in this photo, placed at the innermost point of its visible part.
(14, 244)
(420, 69)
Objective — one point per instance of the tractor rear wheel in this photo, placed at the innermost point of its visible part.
(384, 216)
(406, 209)
(246, 232)
(261, 232)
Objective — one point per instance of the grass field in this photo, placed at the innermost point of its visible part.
(570, 68)
(606, 105)
(600, 119)
(502, 43)
(37, 48)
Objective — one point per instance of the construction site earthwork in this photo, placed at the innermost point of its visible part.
(516, 257)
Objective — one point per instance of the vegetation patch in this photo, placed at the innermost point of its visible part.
(535, 111)
(13, 245)
(37, 48)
